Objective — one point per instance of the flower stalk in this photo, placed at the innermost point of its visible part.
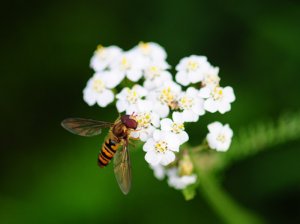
(225, 206)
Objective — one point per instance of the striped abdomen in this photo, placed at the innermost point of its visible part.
(108, 151)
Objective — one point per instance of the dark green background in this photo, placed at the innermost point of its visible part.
(50, 176)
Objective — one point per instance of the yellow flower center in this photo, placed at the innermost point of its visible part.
(192, 66)
(221, 138)
(177, 128)
(153, 72)
(144, 120)
(98, 85)
(211, 79)
(167, 96)
(186, 102)
(144, 47)
(217, 93)
(132, 96)
(161, 146)
(125, 65)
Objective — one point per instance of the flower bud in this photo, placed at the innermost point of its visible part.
(186, 166)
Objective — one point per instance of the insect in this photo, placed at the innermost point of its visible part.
(118, 136)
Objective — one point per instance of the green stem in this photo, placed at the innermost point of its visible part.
(201, 147)
(220, 201)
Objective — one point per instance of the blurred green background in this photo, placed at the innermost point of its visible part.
(50, 176)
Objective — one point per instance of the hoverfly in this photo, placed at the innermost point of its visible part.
(118, 136)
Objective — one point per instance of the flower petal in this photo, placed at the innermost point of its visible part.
(89, 96)
(105, 98)
(183, 137)
(215, 126)
(134, 75)
(166, 124)
(197, 76)
(224, 107)
(121, 106)
(204, 92)
(153, 158)
(149, 145)
(167, 158)
(182, 78)
(211, 106)
(229, 94)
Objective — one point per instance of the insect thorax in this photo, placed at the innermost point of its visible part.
(120, 131)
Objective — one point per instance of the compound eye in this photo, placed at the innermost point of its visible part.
(125, 118)
(129, 122)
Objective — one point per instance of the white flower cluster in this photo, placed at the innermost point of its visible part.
(161, 105)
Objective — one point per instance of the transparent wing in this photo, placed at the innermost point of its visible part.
(122, 168)
(84, 127)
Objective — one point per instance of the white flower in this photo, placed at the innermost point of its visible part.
(160, 148)
(150, 51)
(159, 171)
(104, 56)
(180, 182)
(219, 136)
(217, 99)
(191, 104)
(129, 64)
(156, 74)
(175, 127)
(191, 69)
(147, 123)
(98, 89)
(164, 97)
(211, 78)
(130, 100)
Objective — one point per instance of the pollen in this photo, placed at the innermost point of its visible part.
(154, 69)
(211, 79)
(167, 96)
(145, 47)
(177, 128)
(186, 102)
(221, 138)
(192, 66)
(144, 120)
(217, 93)
(98, 85)
(132, 96)
(154, 72)
(125, 63)
(161, 146)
